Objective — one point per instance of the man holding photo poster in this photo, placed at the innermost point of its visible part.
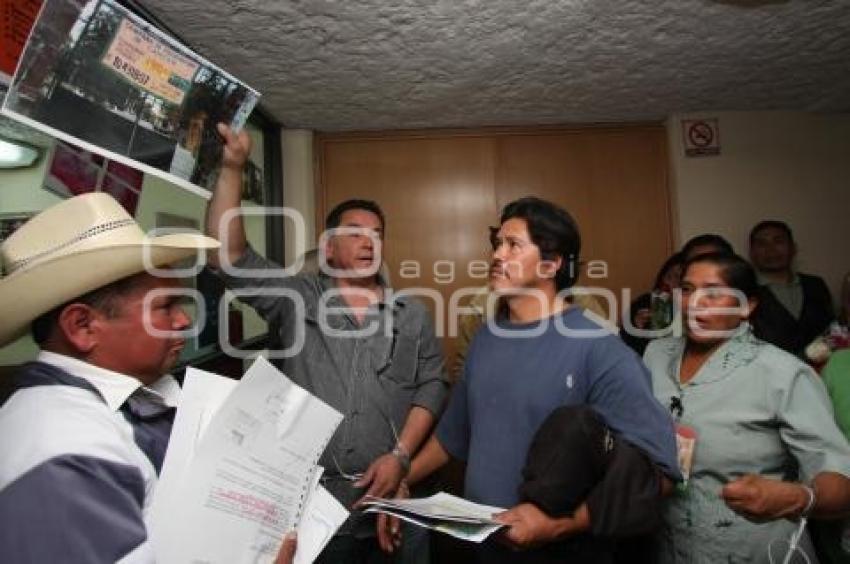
(371, 356)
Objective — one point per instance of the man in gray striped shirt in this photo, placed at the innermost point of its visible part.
(367, 352)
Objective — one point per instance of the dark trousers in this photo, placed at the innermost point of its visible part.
(579, 550)
(348, 549)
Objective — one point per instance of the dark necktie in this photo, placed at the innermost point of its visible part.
(151, 421)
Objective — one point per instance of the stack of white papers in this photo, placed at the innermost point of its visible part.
(442, 512)
(241, 471)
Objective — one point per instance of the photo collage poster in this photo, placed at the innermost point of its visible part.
(98, 77)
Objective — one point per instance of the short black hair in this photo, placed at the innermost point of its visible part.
(736, 272)
(676, 259)
(553, 230)
(335, 216)
(707, 239)
(104, 299)
(771, 223)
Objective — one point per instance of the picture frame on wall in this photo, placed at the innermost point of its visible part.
(10, 222)
(73, 170)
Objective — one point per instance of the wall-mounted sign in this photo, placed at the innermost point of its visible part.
(701, 137)
(16, 19)
(144, 60)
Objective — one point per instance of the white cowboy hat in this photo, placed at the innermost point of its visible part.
(75, 247)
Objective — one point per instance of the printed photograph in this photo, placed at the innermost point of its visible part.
(95, 75)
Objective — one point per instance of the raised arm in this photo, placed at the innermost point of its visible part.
(227, 196)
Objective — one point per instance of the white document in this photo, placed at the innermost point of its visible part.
(201, 396)
(322, 518)
(240, 468)
(442, 512)
(440, 506)
(472, 532)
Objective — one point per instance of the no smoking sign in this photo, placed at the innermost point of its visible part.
(701, 137)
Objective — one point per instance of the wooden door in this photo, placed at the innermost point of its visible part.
(441, 190)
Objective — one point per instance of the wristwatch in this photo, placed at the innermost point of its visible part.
(401, 454)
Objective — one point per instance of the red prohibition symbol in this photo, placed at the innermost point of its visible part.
(700, 134)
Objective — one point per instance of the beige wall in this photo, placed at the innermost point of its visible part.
(19, 188)
(298, 192)
(792, 166)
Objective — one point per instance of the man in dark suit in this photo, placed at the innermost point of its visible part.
(794, 308)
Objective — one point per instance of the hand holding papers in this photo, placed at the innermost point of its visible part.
(241, 471)
(441, 512)
(322, 517)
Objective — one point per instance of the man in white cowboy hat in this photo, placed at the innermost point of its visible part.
(83, 436)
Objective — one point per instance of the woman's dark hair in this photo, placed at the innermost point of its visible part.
(720, 244)
(553, 230)
(736, 272)
(674, 260)
(335, 216)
